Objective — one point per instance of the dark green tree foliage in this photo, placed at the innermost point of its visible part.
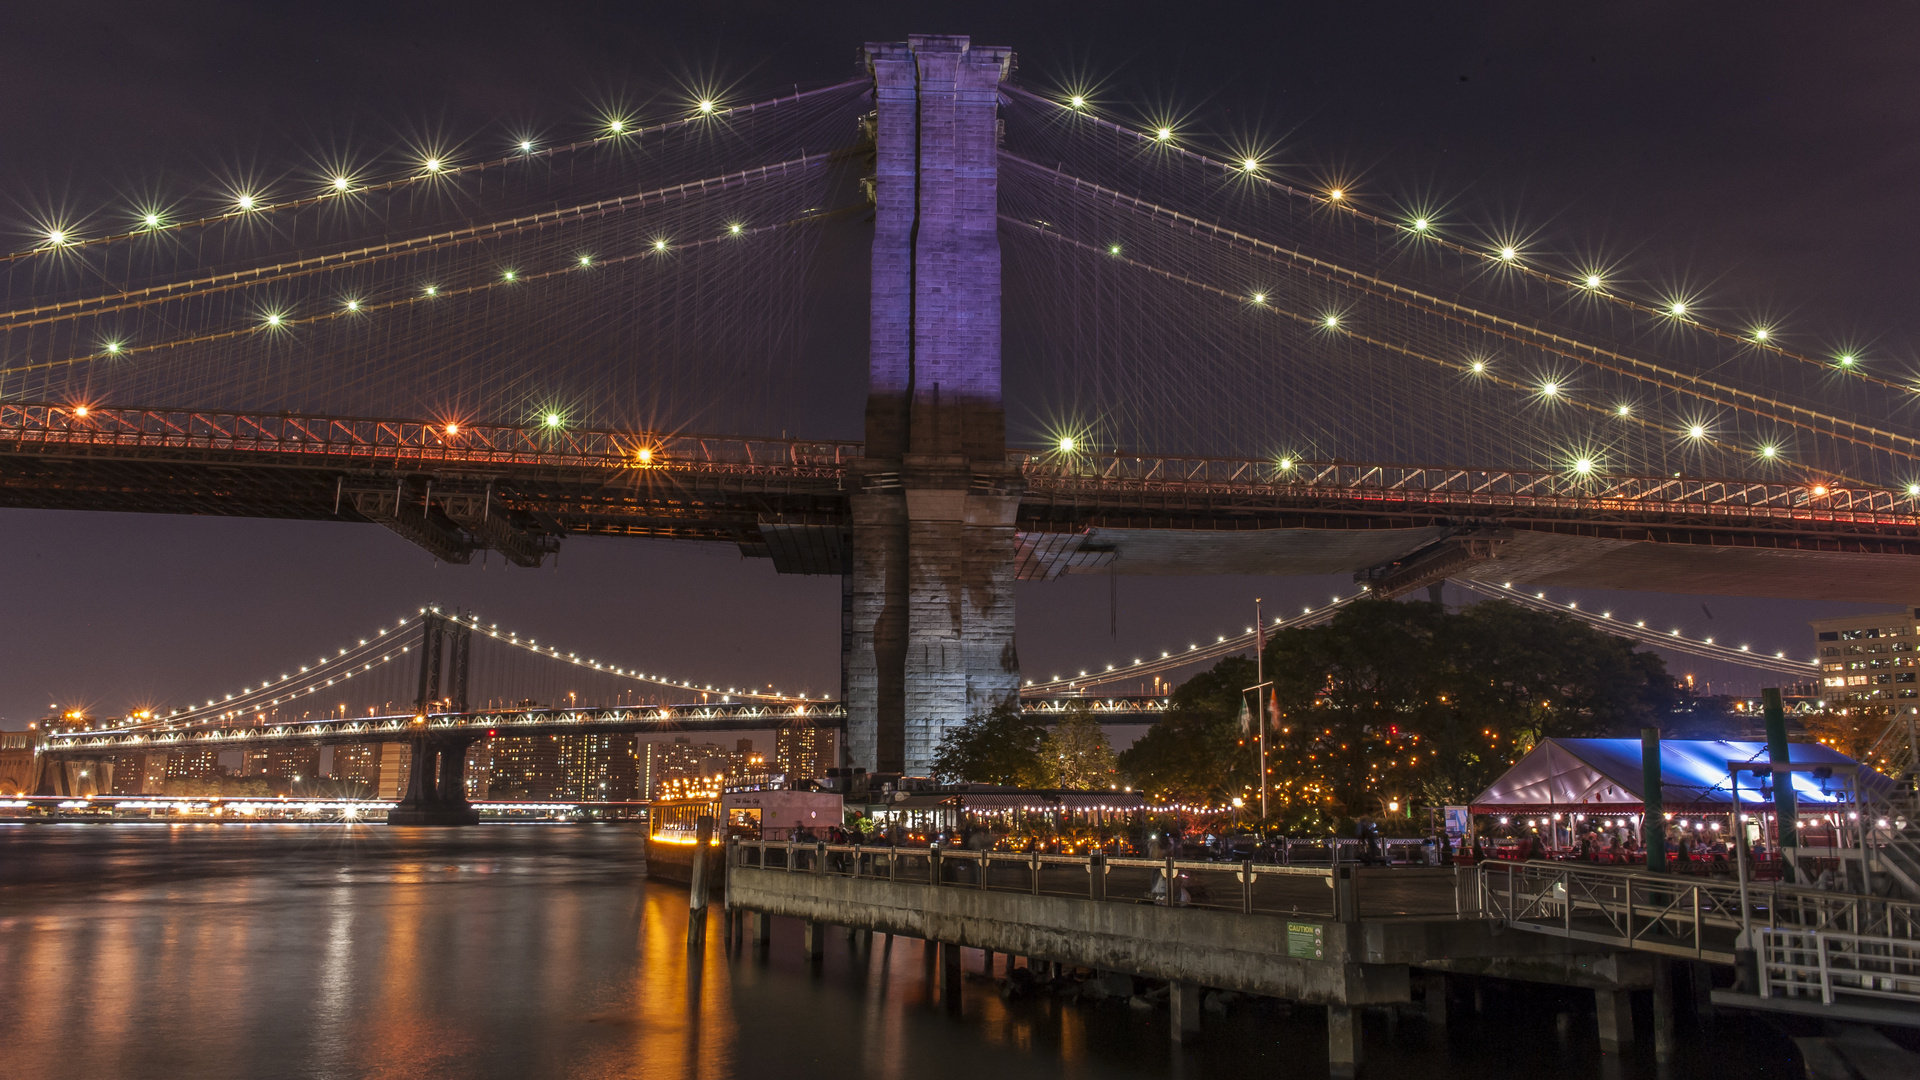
(1401, 700)
(1196, 754)
(1000, 747)
(1076, 754)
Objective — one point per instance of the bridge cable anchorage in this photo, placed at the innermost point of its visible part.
(1342, 202)
(1509, 329)
(1706, 648)
(441, 172)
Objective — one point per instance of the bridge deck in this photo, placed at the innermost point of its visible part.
(519, 490)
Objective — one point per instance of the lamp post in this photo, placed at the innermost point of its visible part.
(1260, 676)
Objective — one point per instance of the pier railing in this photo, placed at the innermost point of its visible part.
(1686, 916)
(1342, 893)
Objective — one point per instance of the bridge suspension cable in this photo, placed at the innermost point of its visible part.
(1425, 229)
(384, 646)
(432, 168)
(1511, 329)
(1637, 630)
(1106, 228)
(1232, 645)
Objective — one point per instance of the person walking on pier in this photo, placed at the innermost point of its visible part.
(1368, 834)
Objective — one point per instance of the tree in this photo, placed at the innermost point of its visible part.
(1350, 691)
(1076, 753)
(1196, 752)
(1000, 746)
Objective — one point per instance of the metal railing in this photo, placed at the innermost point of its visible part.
(26, 426)
(1827, 964)
(44, 425)
(1342, 893)
(1068, 473)
(728, 716)
(1675, 914)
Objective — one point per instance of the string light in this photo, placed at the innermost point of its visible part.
(1605, 620)
(1223, 645)
(251, 201)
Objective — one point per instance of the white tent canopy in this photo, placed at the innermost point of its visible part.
(1606, 774)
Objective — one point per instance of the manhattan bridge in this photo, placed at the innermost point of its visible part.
(1090, 347)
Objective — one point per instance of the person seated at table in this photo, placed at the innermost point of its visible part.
(1616, 849)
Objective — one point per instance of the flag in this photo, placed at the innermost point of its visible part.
(1273, 710)
(1246, 721)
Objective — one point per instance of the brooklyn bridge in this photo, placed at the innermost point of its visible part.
(1091, 348)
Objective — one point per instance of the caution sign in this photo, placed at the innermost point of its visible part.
(1307, 941)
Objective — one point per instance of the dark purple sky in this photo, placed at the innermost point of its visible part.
(1763, 153)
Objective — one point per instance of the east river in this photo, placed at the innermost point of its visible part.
(531, 951)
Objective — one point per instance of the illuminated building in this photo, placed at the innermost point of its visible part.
(153, 773)
(198, 764)
(598, 767)
(293, 763)
(666, 768)
(802, 752)
(18, 761)
(358, 764)
(1868, 667)
(525, 767)
(479, 768)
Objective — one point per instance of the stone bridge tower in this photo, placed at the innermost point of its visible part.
(935, 501)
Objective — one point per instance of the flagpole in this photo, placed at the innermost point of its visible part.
(1260, 676)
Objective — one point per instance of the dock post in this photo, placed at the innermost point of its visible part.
(697, 882)
(1700, 982)
(1344, 1023)
(814, 939)
(950, 973)
(762, 930)
(1184, 999)
(1614, 1010)
(1436, 982)
(1663, 1045)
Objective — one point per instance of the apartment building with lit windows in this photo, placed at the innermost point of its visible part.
(1868, 663)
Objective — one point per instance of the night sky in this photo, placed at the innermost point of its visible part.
(1763, 154)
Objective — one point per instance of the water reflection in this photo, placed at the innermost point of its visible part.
(538, 951)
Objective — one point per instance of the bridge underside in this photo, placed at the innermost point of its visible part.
(1651, 557)
(800, 519)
